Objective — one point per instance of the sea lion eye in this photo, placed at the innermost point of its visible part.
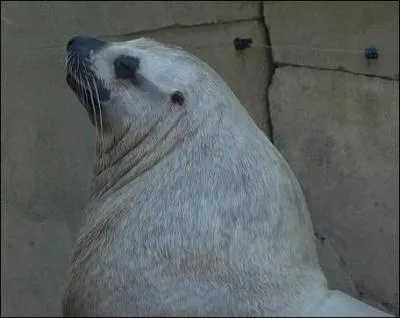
(177, 98)
(125, 66)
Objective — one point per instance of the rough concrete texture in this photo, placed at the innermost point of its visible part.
(337, 25)
(47, 23)
(340, 134)
(47, 141)
(46, 164)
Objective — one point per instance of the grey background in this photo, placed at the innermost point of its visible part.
(333, 115)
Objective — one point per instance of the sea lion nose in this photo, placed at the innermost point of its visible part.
(84, 44)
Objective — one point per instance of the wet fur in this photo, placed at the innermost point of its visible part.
(194, 211)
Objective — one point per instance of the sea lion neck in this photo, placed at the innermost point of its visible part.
(126, 156)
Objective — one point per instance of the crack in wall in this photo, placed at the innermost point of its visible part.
(271, 70)
(178, 26)
(338, 69)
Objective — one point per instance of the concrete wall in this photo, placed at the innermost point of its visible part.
(335, 118)
(337, 128)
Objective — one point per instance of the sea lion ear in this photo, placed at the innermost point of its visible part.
(178, 98)
(125, 66)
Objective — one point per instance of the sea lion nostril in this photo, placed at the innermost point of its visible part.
(71, 42)
(85, 43)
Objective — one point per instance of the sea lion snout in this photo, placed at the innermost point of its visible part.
(83, 45)
(82, 79)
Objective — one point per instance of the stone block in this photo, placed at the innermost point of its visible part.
(48, 23)
(340, 134)
(47, 156)
(297, 27)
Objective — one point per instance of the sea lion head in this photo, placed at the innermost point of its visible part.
(134, 84)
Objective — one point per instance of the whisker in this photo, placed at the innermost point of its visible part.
(85, 94)
(80, 87)
(92, 100)
(68, 64)
(98, 103)
(67, 60)
(78, 70)
(71, 62)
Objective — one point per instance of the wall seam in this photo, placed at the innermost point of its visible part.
(271, 71)
(180, 26)
(339, 69)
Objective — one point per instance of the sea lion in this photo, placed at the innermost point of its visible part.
(194, 211)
